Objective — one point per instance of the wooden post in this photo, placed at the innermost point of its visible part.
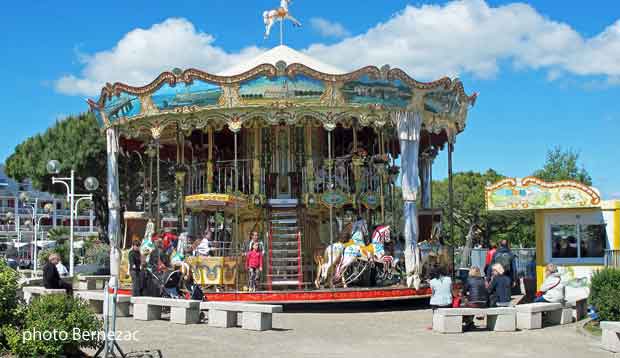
(209, 168)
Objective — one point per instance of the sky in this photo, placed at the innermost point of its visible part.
(547, 72)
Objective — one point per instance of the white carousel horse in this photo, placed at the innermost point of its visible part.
(328, 263)
(147, 243)
(281, 13)
(380, 237)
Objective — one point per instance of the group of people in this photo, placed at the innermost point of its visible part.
(495, 288)
(165, 263)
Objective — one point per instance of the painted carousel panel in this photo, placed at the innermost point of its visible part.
(368, 91)
(299, 89)
(198, 93)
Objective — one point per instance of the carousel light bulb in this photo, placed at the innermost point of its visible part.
(91, 183)
(53, 167)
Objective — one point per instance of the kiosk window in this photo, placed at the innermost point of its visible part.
(564, 241)
(593, 240)
(578, 241)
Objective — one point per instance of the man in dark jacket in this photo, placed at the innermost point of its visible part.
(505, 257)
(51, 277)
(135, 268)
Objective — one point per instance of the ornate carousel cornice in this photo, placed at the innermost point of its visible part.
(231, 110)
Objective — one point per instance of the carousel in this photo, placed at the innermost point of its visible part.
(332, 169)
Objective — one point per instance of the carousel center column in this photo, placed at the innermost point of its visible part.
(408, 125)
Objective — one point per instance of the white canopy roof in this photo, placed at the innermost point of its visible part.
(286, 54)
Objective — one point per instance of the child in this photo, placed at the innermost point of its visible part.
(254, 264)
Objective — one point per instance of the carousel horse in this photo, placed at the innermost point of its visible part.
(355, 250)
(380, 237)
(329, 261)
(147, 245)
(281, 13)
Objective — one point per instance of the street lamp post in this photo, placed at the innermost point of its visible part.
(91, 184)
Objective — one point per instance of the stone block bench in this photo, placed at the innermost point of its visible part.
(96, 299)
(90, 282)
(529, 316)
(181, 311)
(256, 317)
(450, 320)
(611, 336)
(32, 291)
(579, 306)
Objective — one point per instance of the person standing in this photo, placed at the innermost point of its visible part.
(51, 277)
(505, 257)
(135, 268)
(488, 259)
(254, 265)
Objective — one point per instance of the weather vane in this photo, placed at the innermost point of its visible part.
(279, 14)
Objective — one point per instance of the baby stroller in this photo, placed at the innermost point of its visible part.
(165, 284)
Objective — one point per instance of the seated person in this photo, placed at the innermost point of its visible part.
(51, 277)
(499, 287)
(441, 287)
(475, 290)
(552, 288)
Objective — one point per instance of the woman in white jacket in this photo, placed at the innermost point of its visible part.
(552, 289)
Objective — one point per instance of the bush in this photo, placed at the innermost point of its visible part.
(604, 289)
(54, 313)
(9, 300)
(97, 254)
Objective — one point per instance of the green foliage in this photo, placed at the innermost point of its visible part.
(470, 209)
(58, 233)
(54, 313)
(563, 165)
(97, 253)
(604, 289)
(62, 249)
(78, 144)
(9, 300)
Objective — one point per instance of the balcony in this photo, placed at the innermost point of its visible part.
(223, 177)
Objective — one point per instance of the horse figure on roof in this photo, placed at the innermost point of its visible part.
(281, 14)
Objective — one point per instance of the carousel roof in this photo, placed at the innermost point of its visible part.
(285, 54)
(280, 86)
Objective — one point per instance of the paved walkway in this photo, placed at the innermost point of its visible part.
(377, 335)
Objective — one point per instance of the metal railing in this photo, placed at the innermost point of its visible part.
(612, 258)
(223, 177)
(525, 260)
(342, 177)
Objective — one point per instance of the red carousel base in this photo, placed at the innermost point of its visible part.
(317, 296)
(321, 296)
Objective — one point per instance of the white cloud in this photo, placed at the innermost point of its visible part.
(428, 41)
(327, 28)
(470, 36)
(142, 54)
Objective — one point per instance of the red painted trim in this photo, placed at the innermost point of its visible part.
(300, 276)
(269, 277)
(320, 296)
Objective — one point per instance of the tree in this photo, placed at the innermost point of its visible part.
(563, 165)
(78, 144)
(470, 214)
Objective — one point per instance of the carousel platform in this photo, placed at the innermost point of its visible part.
(317, 296)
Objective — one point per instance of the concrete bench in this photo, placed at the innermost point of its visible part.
(256, 317)
(579, 306)
(450, 320)
(96, 299)
(181, 311)
(611, 336)
(529, 316)
(90, 282)
(32, 291)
